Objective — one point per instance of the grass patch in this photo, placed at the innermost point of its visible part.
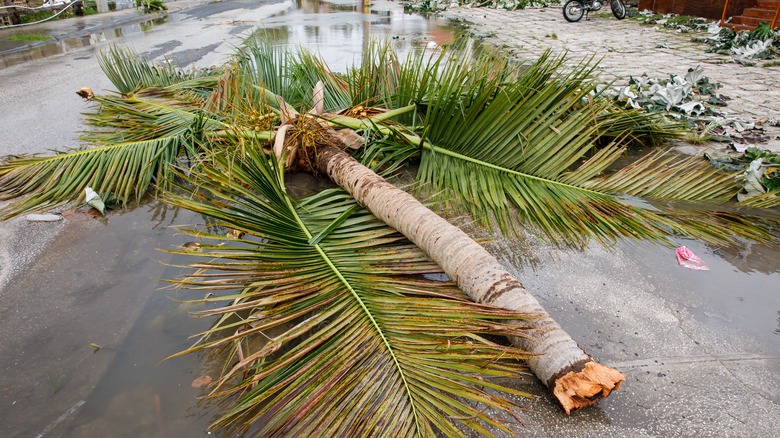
(771, 64)
(36, 16)
(28, 37)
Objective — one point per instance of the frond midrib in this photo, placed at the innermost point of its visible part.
(363, 306)
(440, 150)
(99, 149)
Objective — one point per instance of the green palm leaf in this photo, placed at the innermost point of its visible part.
(353, 344)
(123, 170)
(130, 72)
(140, 138)
(531, 148)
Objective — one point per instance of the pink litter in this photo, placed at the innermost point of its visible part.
(686, 258)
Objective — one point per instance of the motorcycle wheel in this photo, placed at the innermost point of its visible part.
(618, 9)
(573, 11)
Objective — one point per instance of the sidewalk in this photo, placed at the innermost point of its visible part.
(626, 48)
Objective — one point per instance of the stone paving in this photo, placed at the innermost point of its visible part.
(626, 48)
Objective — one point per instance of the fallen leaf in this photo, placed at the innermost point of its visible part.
(93, 199)
(86, 93)
(81, 214)
(193, 246)
(201, 381)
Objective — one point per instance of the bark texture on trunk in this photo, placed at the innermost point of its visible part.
(572, 375)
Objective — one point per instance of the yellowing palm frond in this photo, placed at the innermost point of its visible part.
(340, 337)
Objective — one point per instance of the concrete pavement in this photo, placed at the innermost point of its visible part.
(624, 48)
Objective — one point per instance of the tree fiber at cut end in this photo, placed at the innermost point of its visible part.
(578, 389)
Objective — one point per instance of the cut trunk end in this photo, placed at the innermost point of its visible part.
(578, 389)
(568, 371)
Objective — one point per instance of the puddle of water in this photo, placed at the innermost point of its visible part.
(338, 30)
(738, 294)
(95, 285)
(12, 55)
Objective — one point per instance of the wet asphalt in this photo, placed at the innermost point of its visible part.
(700, 350)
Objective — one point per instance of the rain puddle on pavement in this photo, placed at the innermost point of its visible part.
(337, 30)
(17, 52)
(85, 328)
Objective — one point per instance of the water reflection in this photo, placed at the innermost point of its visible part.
(335, 29)
(752, 257)
(14, 53)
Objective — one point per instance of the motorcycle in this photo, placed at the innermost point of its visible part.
(573, 10)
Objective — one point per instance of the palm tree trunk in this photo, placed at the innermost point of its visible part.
(574, 377)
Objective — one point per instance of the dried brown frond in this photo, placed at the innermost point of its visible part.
(362, 111)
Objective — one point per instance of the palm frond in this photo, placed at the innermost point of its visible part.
(146, 115)
(130, 72)
(377, 76)
(123, 172)
(309, 69)
(138, 136)
(767, 200)
(664, 175)
(531, 148)
(356, 344)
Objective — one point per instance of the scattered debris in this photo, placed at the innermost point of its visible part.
(86, 93)
(760, 169)
(442, 5)
(81, 214)
(689, 95)
(201, 381)
(43, 217)
(94, 200)
(761, 43)
(687, 259)
(680, 23)
(95, 347)
(752, 177)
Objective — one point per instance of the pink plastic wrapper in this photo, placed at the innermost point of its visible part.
(686, 258)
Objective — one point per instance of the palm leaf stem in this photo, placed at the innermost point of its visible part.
(416, 140)
(357, 297)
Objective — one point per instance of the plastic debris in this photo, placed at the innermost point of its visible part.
(687, 259)
(752, 177)
(43, 217)
(94, 200)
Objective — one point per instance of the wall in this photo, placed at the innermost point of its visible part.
(698, 8)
